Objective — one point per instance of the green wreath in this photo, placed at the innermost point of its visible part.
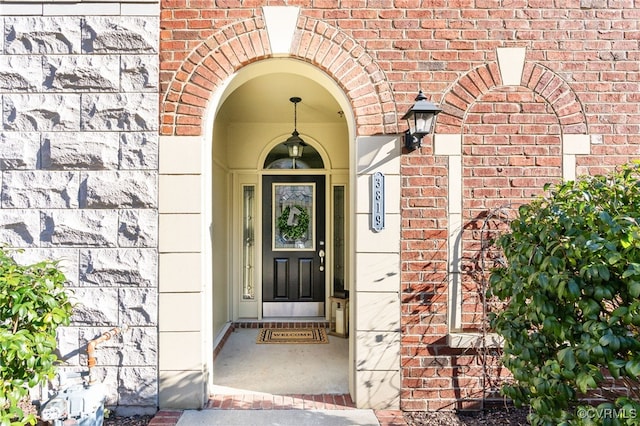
(296, 230)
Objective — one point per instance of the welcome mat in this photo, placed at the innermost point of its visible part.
(292, 335)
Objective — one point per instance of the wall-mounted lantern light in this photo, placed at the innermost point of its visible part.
(421, 117)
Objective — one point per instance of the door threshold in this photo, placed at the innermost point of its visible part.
(306, 322)
(292, 309)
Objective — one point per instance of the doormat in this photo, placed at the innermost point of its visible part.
(292, 335)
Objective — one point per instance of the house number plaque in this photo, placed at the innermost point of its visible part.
(377, 201)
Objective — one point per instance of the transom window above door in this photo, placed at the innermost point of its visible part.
(279, 158)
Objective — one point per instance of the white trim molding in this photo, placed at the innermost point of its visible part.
(573, 145)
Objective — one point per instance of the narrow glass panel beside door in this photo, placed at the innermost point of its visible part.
(248, 243)
(338, 240)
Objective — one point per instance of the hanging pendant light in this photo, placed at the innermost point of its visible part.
(294, 143)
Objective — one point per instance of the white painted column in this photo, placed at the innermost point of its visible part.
(376, 291)
(450, 145)
(183, 349)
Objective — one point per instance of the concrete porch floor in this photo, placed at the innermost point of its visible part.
(283, 369)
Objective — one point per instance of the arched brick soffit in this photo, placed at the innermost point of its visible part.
(541, 80)
(245, 42)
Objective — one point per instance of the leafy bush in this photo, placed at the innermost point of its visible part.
(33, 303)
(572, 282)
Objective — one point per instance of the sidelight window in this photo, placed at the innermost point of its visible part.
(248, 242)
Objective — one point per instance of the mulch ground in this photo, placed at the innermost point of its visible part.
(127, 421)
(495, 416)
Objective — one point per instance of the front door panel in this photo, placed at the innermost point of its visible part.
(293, 276)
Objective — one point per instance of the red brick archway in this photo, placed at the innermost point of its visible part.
(540, 80)
(186, 94)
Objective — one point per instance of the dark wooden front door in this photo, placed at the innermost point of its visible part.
(294, 250)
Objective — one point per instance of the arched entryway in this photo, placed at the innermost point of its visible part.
(258, 275)
(213, 157)
(255, 117)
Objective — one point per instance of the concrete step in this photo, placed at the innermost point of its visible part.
(352, 417)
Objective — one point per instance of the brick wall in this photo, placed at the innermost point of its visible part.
(511, 149)
(581, 77)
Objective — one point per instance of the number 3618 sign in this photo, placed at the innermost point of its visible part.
(377, 201)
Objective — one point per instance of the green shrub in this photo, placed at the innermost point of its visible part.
(572, 286)
(33, 303)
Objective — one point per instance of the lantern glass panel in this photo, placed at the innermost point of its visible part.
(424, 122)
(411, 123)
(295, 150)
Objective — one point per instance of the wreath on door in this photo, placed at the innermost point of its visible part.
(293, 223)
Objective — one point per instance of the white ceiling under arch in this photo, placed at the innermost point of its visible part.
(260, 93)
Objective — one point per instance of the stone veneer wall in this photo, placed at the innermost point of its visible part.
(79, 166)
